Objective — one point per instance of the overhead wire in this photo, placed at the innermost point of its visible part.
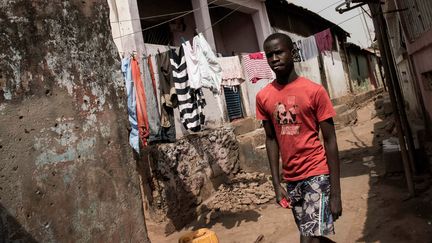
(164, 22)
(330, 6)
(179, 12)
(221, 19)
(348, 19)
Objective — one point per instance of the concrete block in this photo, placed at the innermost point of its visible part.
(340, 108)
(348, 117)
(388, 108)
(347, 99)
(243, 126)
(252, 152)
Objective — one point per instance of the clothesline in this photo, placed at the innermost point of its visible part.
(182, 15)
(179, 12)
(164, 22)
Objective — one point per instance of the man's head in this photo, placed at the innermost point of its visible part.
(278, 49)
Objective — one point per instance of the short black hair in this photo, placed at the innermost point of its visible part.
(280, 36)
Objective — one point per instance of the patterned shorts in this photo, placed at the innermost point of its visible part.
(311, 207)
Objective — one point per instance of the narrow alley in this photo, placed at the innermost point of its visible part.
(158, 121)
(377, 207)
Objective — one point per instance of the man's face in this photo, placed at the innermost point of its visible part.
(279, 57)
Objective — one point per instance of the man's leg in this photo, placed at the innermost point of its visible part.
(316, 220)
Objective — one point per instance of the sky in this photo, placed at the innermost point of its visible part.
(356, 26)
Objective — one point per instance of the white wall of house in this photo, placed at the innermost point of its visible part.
(252, 90)
(336, 80)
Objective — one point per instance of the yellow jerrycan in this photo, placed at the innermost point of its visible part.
(199, 236)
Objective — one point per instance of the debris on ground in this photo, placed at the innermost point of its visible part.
(244, 192)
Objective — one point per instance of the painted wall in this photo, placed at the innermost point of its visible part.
(359, 72)
(335, 73)
(125, 26)
(252, 90)
(67, 173)
(422, 66)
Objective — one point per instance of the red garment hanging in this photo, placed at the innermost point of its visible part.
(141, 104)
(150, 65)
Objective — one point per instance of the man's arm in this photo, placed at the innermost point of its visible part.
(273, 157)
(331, 148)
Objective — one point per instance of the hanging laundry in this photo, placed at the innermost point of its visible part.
(324, 40)
(190, 107)
(152, 75)
(296, 55)
(166, 82)
(232, 71)
(152, 104)
(192, 65)
(300, 50)
(256, 67)
(309, 47)
(168, 97)
(203, 68)
(131, 103)
(141, 103)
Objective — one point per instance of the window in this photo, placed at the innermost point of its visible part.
(233, 102)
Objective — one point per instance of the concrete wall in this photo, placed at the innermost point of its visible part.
(359, 72)
(406, 79)
(126, 26)
(67, 173)
(335, 74)
(422, 66)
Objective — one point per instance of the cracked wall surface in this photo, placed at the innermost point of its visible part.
(66, 172)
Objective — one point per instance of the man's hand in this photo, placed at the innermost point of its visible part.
(335, 205)
(280, 194)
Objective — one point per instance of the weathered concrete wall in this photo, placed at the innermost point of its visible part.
(335, 73)
(184, 174)
(66, 172)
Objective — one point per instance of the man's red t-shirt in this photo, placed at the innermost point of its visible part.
(295, 110)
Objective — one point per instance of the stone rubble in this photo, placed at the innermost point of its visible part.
(245, 191)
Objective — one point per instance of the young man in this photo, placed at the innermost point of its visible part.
(293, 109)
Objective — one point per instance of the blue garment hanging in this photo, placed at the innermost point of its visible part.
(131, 103)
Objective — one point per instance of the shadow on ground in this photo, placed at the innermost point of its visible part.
(391, 216)
(11, 230)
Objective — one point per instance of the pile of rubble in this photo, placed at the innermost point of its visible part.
(244, 192)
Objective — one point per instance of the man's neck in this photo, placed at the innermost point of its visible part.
(287, 79)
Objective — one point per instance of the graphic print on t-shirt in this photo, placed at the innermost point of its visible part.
(286, 116)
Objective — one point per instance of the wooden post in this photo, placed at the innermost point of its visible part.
(395, 95)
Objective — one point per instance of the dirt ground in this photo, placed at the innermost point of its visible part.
(376, 207)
